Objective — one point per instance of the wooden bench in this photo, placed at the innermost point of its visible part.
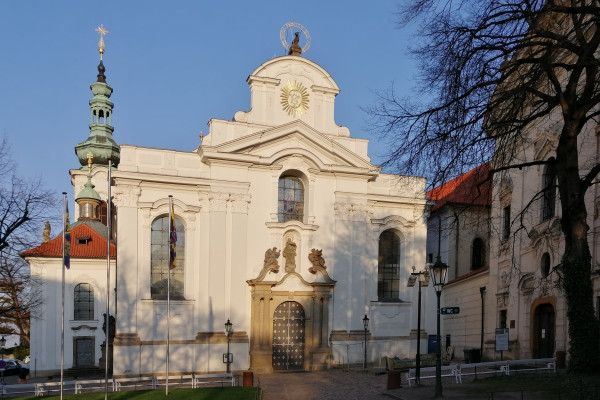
(210, 379)
(45, 388)
(429, 372)
(92, 385)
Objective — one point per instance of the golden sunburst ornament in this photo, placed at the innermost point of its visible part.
(294, 99)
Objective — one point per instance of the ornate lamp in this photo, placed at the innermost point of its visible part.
(438, 272)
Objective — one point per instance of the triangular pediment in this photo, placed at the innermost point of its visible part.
(297, 139)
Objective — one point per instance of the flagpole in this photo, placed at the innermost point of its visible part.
(62, 324)
(107, 320)
(169, 291)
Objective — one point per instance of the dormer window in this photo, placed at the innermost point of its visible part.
(84, 240)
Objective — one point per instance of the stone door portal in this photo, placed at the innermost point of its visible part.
(544, 331)
(84, 352)
(288, 336)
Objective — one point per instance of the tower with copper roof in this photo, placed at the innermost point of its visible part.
(100, 143)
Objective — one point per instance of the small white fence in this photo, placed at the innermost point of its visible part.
(117, 384)
(457, 371)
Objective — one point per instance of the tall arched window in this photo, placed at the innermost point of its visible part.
(545, 265)
(549, 190)
(290, 205)
(478, 254)
(388, 275)
(83, 302)
(160, 260)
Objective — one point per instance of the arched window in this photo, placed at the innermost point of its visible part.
(290, 205)
(83, 302)
(160, 260)
(478, 254)
(388, 275)
(549, 191)
(545, 265)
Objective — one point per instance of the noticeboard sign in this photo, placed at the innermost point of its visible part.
(502, 339)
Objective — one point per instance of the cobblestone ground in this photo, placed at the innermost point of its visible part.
(347, 385)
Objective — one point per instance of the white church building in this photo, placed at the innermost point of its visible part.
(284, 228)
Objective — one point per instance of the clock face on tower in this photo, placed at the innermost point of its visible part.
(294, 99)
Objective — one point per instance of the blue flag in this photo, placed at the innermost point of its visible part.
(67, 239)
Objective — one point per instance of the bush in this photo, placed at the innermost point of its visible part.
(21, 351)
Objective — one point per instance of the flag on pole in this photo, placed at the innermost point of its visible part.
(172, 240)
(67, 239)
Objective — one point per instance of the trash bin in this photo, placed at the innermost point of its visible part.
(394, 379)
(248, 378)
(561, 359)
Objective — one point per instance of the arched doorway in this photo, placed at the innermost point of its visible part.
(288, 337)
(543, 331)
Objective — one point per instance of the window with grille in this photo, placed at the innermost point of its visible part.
(290, 205)
(388, 276)
(83, 302)
(160, 245)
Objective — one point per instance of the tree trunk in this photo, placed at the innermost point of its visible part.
(584, 330)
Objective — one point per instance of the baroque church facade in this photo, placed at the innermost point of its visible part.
(284, 228)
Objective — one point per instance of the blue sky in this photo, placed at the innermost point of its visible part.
(173, 66)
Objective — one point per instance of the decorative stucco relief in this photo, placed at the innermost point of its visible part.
(220, 200)
(126, 195)
(352, 212)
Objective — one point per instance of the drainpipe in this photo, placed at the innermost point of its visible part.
(482, 292)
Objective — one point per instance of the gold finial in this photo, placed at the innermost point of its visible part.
(201, 137)
(102, 32)
(90, 156)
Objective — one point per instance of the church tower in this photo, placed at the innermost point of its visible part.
(100, 143)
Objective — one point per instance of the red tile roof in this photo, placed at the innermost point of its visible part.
(96, 247)
(471, 188)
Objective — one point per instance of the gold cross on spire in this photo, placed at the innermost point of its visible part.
(90, 157)
(102, 32)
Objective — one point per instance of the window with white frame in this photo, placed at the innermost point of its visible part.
(160, 245)
(388, 271)
(83, 302)
(290, 199)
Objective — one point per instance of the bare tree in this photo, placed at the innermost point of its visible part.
(490, 70)
(24, 205)
(20, 297)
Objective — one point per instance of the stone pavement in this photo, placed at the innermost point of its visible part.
(347, 385)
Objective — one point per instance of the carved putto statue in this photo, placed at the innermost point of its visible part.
(47, 230)
(317, 260)
(289, 252)
(271, 263)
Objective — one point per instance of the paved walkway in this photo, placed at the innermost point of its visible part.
(346, 385)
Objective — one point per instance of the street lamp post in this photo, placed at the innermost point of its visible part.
(2, 344)
(438, 274)
(366, 325)
(228, 331)
(423, 278)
